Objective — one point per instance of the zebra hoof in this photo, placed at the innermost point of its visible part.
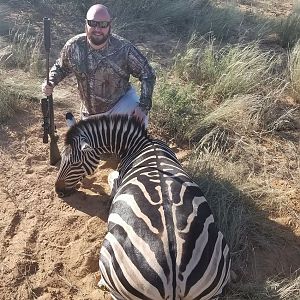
(102, 285)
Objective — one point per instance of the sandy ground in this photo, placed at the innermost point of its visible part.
(49, 246)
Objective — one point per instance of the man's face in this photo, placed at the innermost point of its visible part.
(97, 31)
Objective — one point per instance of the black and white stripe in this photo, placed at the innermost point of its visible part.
(162, 242)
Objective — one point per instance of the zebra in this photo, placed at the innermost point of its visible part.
(162, 241)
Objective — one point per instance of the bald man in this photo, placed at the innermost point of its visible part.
(103, 63)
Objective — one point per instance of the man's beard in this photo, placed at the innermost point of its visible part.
(99, 39)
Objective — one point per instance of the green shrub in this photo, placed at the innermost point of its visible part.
(175, 108)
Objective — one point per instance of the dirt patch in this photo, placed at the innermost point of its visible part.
(49, 246)
(264, 7)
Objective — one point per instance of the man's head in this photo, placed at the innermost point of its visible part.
(97, 25)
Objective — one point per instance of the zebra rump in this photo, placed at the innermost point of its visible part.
(162, 241)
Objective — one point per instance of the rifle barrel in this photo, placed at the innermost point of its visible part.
(47, 109)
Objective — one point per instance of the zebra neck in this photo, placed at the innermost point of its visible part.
(123, 150)
(119, 135)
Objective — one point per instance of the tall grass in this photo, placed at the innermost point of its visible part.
(235, 91)
(227, 71)
(131, 17)
(241, 188)
(10, 102)
(24, 50)
(236, 87)
(244, 70)
(288, 29)
(294, 71)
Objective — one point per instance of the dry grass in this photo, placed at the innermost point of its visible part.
(294, 71)
(227, 71)
(24, 50)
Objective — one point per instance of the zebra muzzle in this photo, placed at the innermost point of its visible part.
(62, 194)
(61, 189)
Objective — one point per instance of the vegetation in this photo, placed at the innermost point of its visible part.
(8, 103)
(289, 30)
(228, 96)
(24, 50)
(13, 99)
(294, 71)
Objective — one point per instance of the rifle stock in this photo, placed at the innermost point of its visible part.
(47, 105)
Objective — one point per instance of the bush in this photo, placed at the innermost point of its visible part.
(9, 102)
(24, 51)
(225, 72)
(175, 108)
(288, 29)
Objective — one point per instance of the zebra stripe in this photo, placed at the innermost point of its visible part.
(162, 241)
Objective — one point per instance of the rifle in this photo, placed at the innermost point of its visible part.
(47, 105)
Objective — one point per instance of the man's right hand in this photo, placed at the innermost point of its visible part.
(47, 89)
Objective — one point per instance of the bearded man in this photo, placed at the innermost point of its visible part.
(103, 63)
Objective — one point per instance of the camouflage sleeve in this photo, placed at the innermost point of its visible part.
(61, 67)
(140, 68)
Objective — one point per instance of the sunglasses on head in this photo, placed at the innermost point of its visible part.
(101, 24)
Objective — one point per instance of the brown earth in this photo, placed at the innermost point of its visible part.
(48, 246)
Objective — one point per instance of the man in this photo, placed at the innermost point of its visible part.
(102, 63)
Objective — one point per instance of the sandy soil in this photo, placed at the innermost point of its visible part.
(49, 246)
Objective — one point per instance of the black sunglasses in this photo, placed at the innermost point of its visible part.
(101, 24)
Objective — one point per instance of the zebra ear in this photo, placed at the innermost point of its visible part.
(70, 120)
(85, 147)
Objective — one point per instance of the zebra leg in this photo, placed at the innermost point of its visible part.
(112, 181)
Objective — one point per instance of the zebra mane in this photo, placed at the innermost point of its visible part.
(109, 120)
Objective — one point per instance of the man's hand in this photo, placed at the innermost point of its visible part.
(47, 89)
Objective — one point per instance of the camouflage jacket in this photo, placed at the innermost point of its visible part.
(103, 75)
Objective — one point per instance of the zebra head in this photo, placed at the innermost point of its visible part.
(73, 167)
(86, 140)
